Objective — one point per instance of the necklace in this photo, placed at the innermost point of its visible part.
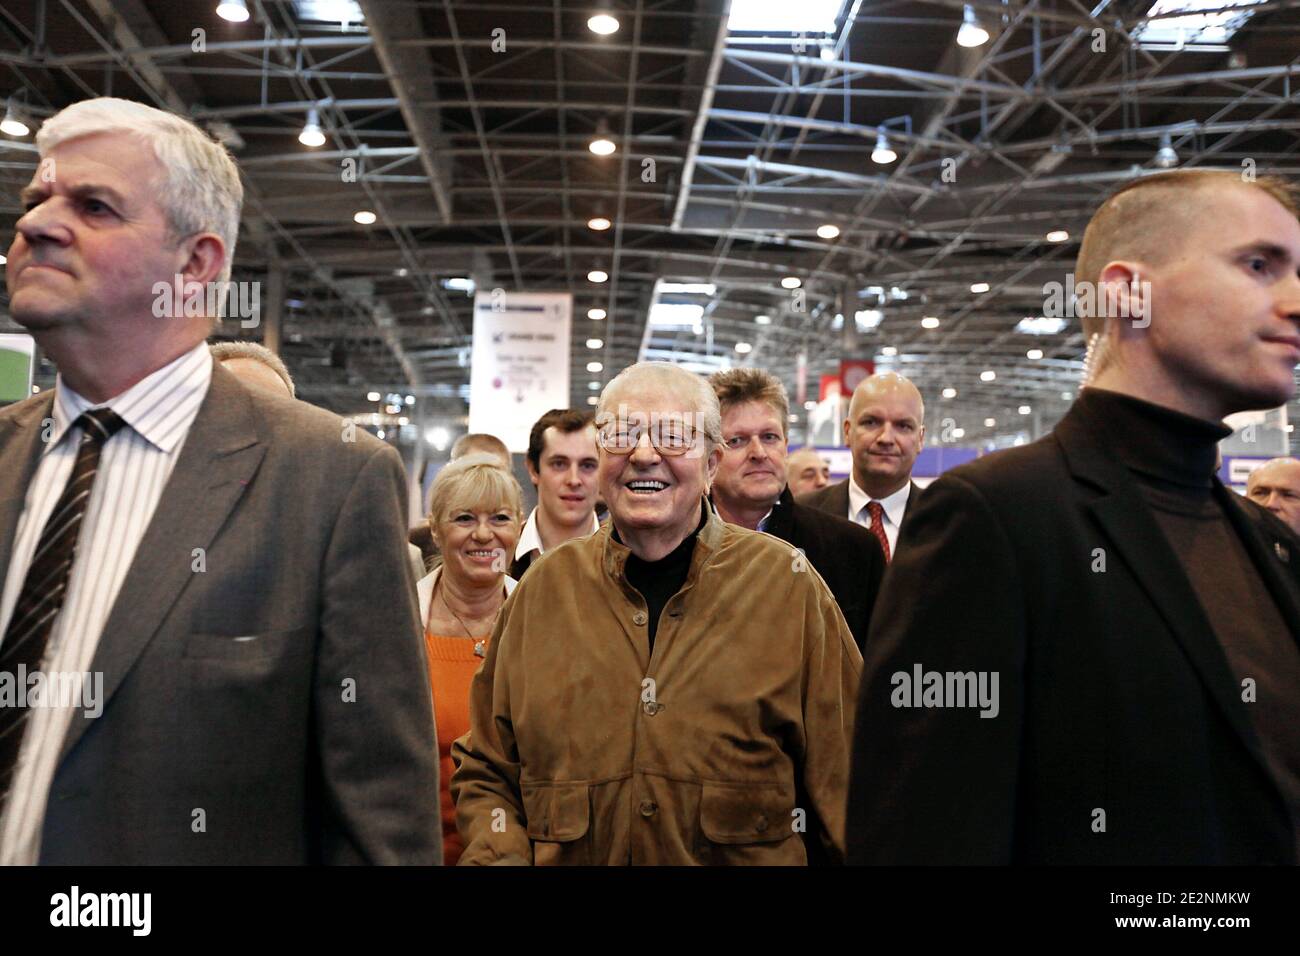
(479, 642)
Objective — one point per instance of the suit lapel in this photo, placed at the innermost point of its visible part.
(20, 453)
(217, 463)
(1127, 520)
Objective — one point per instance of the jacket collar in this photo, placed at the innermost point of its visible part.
(424, 591)
(614, 553)
(21, 445)
(1128, 523)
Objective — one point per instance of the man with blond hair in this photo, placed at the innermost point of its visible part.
(1086, 651)
(223, 567)
(750, 490)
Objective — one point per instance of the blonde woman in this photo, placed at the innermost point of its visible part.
(475, 515)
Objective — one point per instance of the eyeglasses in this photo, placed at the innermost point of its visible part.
(670, 438)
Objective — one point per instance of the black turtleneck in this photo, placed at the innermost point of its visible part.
(658, 581)
(1173, 456)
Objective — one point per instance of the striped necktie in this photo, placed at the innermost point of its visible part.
(877, 512)
(46, 584)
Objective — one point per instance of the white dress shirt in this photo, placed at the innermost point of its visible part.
(133, 471)
(530, 538)
(894, 506)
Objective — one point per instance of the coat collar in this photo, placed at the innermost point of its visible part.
(424, 591)
(22, 439)
(1129, 525)
(614, 554)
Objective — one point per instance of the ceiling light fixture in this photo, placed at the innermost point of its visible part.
(791, 282)
(595, 367)
(594, 343)
(950, 392)
(929, 322)
(14, 124)
(990, 422)
(593, 399)
(364, 216)
(597, 275)
(762, 320)
(1034, 354)
(971, 34)
(1166, 156)
(882, 154)
(1024, 409)
(889, 351)
(988, 375)
(602, 145)
(598, 223)
(596, 314)
(979, 287)
(603, 23)
(1057, 235)
(744, 348)
(236, 11)
(828, 231)
(311, 134)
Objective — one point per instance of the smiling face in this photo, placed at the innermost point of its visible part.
(565, 477)
(1224, 333)
(884, 430)
(477, 543)
(654, 499)
(93, 241)
(751, 473)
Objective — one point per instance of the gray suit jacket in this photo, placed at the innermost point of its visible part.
(266, 699)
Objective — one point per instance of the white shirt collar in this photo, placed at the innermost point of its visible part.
(530, 539)
(894, 506)
(160, 407)
(424, 591)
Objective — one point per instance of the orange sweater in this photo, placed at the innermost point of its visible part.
(452, 663)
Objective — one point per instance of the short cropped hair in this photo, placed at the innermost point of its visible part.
(225, 351)
(740, 386)
(475, 482)
(691, 387)
(200, 189)
(480, 443)
(566, 421)
(1136, 220)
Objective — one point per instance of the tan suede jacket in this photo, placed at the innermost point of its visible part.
(729, 744)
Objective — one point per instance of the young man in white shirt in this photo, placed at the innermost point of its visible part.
(562, 464)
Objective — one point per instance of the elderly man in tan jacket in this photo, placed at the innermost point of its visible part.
(669, 690)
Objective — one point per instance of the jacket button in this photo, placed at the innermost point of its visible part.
(652, 707)
(761, 823)
(649, 808)
(639, 618)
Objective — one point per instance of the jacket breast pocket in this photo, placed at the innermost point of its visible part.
(749, 824)
(247, 647)
(558, 820)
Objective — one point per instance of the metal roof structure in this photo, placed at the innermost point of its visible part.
(465, 125)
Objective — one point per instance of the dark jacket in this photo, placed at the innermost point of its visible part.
(1114, 693)
(846, 555)
(834, 500)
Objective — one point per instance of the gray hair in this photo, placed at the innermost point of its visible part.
(694, 390)
(200, 190)
(225, 351)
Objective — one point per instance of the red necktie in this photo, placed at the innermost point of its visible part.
(877, 512)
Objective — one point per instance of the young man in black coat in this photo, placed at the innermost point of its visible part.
(1086, 651)
(750, 490)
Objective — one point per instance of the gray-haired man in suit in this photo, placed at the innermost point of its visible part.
(218, 570)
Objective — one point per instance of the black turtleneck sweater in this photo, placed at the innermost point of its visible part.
(658, 581)
(1172, 456)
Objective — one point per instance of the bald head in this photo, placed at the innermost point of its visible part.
(885, 430)
(806, 471)
(1275, 485)
(891, 387)
(481, 443)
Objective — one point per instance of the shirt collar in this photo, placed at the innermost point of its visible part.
(530, 538)
(894, 505)
(160, 407)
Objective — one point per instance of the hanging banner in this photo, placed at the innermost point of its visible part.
(519, 365)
